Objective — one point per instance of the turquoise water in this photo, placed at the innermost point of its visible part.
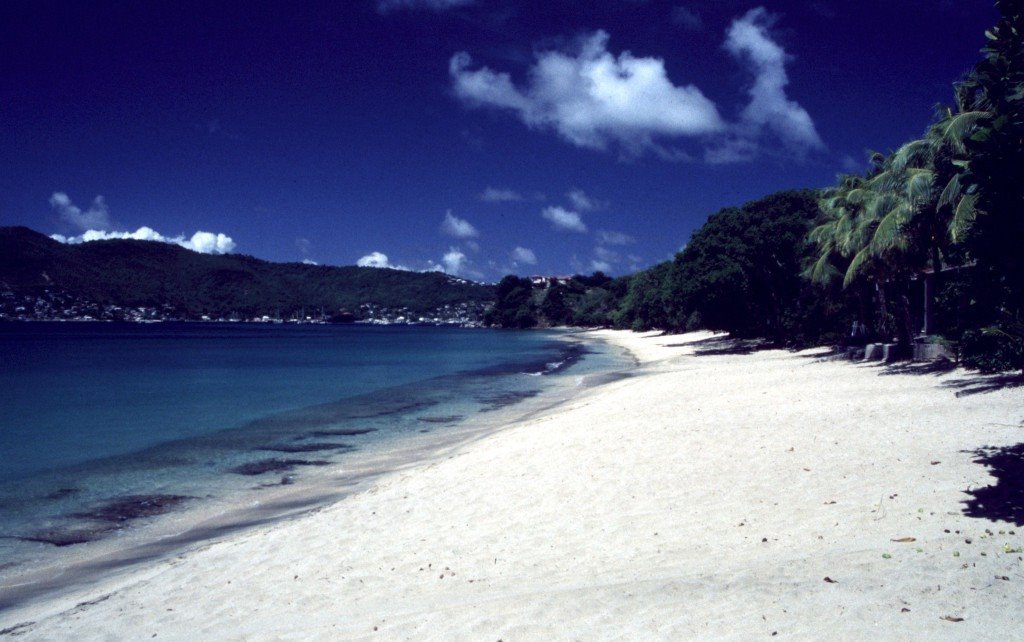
(106, 427)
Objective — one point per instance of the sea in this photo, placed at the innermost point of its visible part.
(125, 443)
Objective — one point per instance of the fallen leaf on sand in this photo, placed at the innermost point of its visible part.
(950, 618)
(904, 540)
(830, 580)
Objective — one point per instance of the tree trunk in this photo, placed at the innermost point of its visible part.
(932, 287)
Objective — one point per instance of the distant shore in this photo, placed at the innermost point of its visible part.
(714, 493)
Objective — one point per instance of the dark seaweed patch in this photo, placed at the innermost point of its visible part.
(342, 432)
(107, 517)
(311, 447)
(61, 493)
(499, 400)
(274, 466)
(132, 507)
(67, 536)
(443, 419)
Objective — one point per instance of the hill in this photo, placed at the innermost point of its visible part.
(158, 275)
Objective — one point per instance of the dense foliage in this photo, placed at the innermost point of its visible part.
(946, 210)
(739, 273)
(143, 273)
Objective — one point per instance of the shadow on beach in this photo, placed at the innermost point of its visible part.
(936, 368)
(721, 346)
(977, 384)
(1003, 500)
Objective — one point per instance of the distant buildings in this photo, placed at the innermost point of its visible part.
(544, 282)
(55, 305)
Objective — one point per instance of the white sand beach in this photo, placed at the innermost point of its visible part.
(719, 495)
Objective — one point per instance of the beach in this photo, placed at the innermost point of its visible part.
(716, 493)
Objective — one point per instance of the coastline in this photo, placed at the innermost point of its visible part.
(381, 431)
(710, 495)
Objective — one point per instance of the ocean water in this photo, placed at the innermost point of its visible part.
(124, 442)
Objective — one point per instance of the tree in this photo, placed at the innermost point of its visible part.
(513, 306)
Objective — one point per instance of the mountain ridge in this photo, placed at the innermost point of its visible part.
(133, 273)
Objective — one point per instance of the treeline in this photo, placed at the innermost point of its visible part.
(143, 273)
(740, 273)
(927, 241)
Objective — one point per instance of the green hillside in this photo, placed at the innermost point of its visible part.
(145, 273)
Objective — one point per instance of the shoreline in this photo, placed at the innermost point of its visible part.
(710, 495)
(230, 512)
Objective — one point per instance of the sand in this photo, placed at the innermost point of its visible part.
(715, 496)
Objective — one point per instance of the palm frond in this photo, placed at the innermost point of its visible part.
(919, 185)
(958, 128)
(890, 233)
(950, 192)
(822, 271)
(822, 234)
(916, 153)
(855, 266)
(963, 217)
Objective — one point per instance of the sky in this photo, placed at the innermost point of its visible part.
(478, 137)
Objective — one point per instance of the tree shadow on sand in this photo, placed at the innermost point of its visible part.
(977, 384)
(937, 367)
(1004, 500)
(717, 346)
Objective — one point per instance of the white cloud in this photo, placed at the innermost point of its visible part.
(582, 202)
(606, 255)
(436, 5)
(563, 219)
(202, 242)
(732, 150)
(608, 237)
(600, 266)
(453, 261)
(97, 217)
(378, 260)
(748, 40)
(596, 100)
(524, 255)
(309, 262)
(592, 98)
(496, 195)
(460, 228)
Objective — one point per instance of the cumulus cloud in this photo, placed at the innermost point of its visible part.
(453, 261)
(598, 100)
(378, 260)
(608, 237)
(582, 202)
(496, 195)
(598, 265)
(748, 40)
(563, 219)
(97, 217)
(524, 255)
(592, 98)
(385, 6)
(460, 228)
(202, 242)
(309, 262)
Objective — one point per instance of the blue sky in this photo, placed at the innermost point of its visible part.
(477, 136)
